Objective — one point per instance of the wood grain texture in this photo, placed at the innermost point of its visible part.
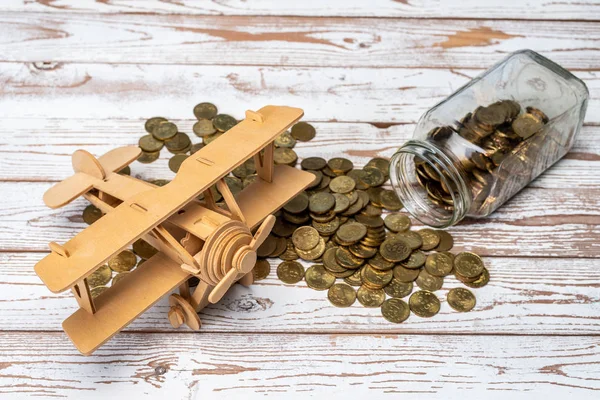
(217, 366)
(117, 91)
(511, 9)
(52, 141)
(522, 227)
(525, 296)
(291, 41)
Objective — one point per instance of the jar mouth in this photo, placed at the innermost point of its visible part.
(414, 195)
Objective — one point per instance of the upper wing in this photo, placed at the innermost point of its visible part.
(136, 216)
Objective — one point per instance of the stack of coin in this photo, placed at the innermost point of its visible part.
(497, 130)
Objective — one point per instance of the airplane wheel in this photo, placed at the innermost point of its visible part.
(182, 312)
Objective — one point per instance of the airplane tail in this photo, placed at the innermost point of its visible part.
(88, 169)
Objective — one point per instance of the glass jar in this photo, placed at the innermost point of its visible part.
(485, 142)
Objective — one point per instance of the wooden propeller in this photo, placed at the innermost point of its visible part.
(243, 261)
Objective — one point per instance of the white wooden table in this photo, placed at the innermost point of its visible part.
(83, 74)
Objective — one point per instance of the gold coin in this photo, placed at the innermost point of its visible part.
(313, 163)
(283, 229)
(224, 122)
(395, 310)
(351, 233)
(280, 247)
(371, 222)
(395, 249)
(429, 282)
(416, 260)
(446, 241)
(298, 204)
(424, 303)
(152, 123)
(149, 144)
(164, 130)
(246, 169)
(362, 251)
(118, 277)
(195, 147)
(355, 279)
(357, 175)
(341, 295)
(305, 238)
(100, 277)
(481, 281)
(314, 253)
(321, 203)
(390, 201)
(342, 203)
(381, 164)
(439, 264)
(430, 239)
(372, 177)
(303, 131)
(204, 127)
(340, 165)
(147, 158)
(97, 291)
(180, 142)
(205, 111)
(91, 214)
(342, 184)
(211, 138)
(290, 272)
(290, 253)
(461, 299)
(330, 261)
(250, 179)
(122, 262)
(397, 222)
(261, 270)
(346, 259)
(160, 182)
(267, 247)
(318, 278)
(370, 298)
(380, 263)
(125, 171)
(398, 289)
(376, 278)
(413, 239)
(327, 228)
(404, 274)
(176, 161)
(526, 125)
(468, 264)
(143, 249)
(285, 140)
(284, 156)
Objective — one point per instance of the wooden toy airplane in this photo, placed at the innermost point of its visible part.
(194, 238)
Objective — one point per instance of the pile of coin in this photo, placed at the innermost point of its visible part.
(498, 130)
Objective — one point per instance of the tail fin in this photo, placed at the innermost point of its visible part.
(87, 169)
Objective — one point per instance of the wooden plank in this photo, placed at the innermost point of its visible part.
(103, 91)
(298, 366)
(525, 296)
(117, 307)
(52, 141)
(291, 41)
(522, 226)
(534, 9)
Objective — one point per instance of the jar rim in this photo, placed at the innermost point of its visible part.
(413, 200)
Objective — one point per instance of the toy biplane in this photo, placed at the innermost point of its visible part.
(194, 238)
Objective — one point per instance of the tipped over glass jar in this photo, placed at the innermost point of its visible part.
(477, 148)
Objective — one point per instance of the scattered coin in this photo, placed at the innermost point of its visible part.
(285, 140)
(284, 156)
(481, 281)
(143, 249)
(424, 303)
(370, 297)
(397, 222)
(303, 131)
(429, 282)
(164, 130)
(468, 264)
(430, 239)
(118, 277)
(205, 111)
(149, 144)
(341, 295)
(340, 165)
(224, 122)
(204, 127)
(395, 249)
(97, 291)
(179, 142)
(91, 214)
(176, 161)
(461, 299)
(439, 264)
(399, 289)
(342, 184)
(395, 310)
(99, 277)
(313, 163)
(290, 272)
(305, 238)
(261, 270)
(318, 278)
(123, 262)
(152, 123)
(147, 158)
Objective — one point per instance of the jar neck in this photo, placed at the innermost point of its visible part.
(414, 195)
